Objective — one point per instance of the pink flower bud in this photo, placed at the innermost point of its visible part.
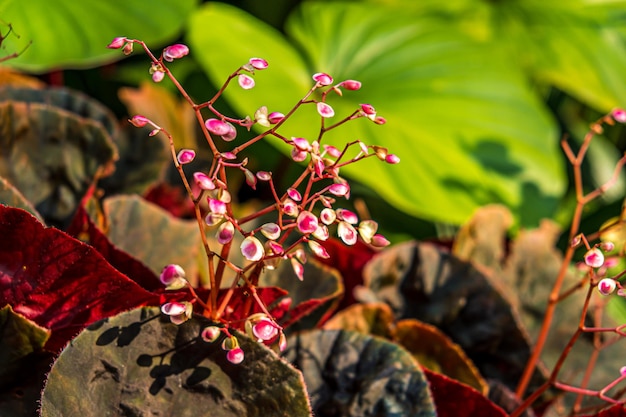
(212, 219)
(325, 110)
(319, 167)
(321, 233)
(607, 286)
(392, 159)
(301, 144)
(235, 356)
(128, 48)
(217, 206)
(175, 51)
(352, 85)
(178, 312)
(139, 121)
(318, 250)
(275, 247)
(594, 258)
(339, 189)
(328, 216)
(203, 181)
(619, 115)
(231, 134)
(265, 330)
(229, 155)
(173, 308)
(250, 178)
(367, 230)
(210, 334)
(622, 371)
(297, 268)
(322, 78)
(271, 231)
(264, 175)
(290, 208)
(347, 215)
(379, 241)
(332, 151)
(117, 43)
(258, 63)
(245, 81)
(275, 117)
(171, 273)
(217, 127)
(607, 246)
(368, 109)
(298, 155)
(294, 194)
(306, 222)
(252, 249)
(576, 241)
(347, 233)
(225, 233)
(185, 156)
(379, 120)
(157, 76)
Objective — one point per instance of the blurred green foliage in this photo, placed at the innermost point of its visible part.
(477, 93)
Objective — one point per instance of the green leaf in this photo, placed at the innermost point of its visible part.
(19, 337)
(462, 118)
(350, 374)
(11, 196)
(151, 234)
(70, 34)
(23, 364)
(138, 363)
(570, 44)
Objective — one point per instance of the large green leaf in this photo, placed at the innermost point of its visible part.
(462, 118)
(570, 44)
(68, 33)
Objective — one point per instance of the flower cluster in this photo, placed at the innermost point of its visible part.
(305, 214)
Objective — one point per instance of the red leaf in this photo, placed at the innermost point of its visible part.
(57, 281)
(84, 229)
(349, 261)
(618, 410)
(453, 399)
(172, 199)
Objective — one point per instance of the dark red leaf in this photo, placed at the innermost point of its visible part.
(618, 410)
(349, 261)
(171, 198)
(59, 282)
(453, 399)
(84, 229)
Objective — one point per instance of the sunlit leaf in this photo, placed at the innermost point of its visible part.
(461, 118)
(75, 34)
(149, 365)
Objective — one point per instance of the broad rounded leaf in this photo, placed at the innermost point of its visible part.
(138, 363)
(420, 281)
(375, 319)
(152, 235)
(454, 399)
(460, 116)
(350, 374)
(11, 196)
(66, 99)
(314, 298)
(435, 351)
(52, 156)
(73, 34)
(57, 281)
